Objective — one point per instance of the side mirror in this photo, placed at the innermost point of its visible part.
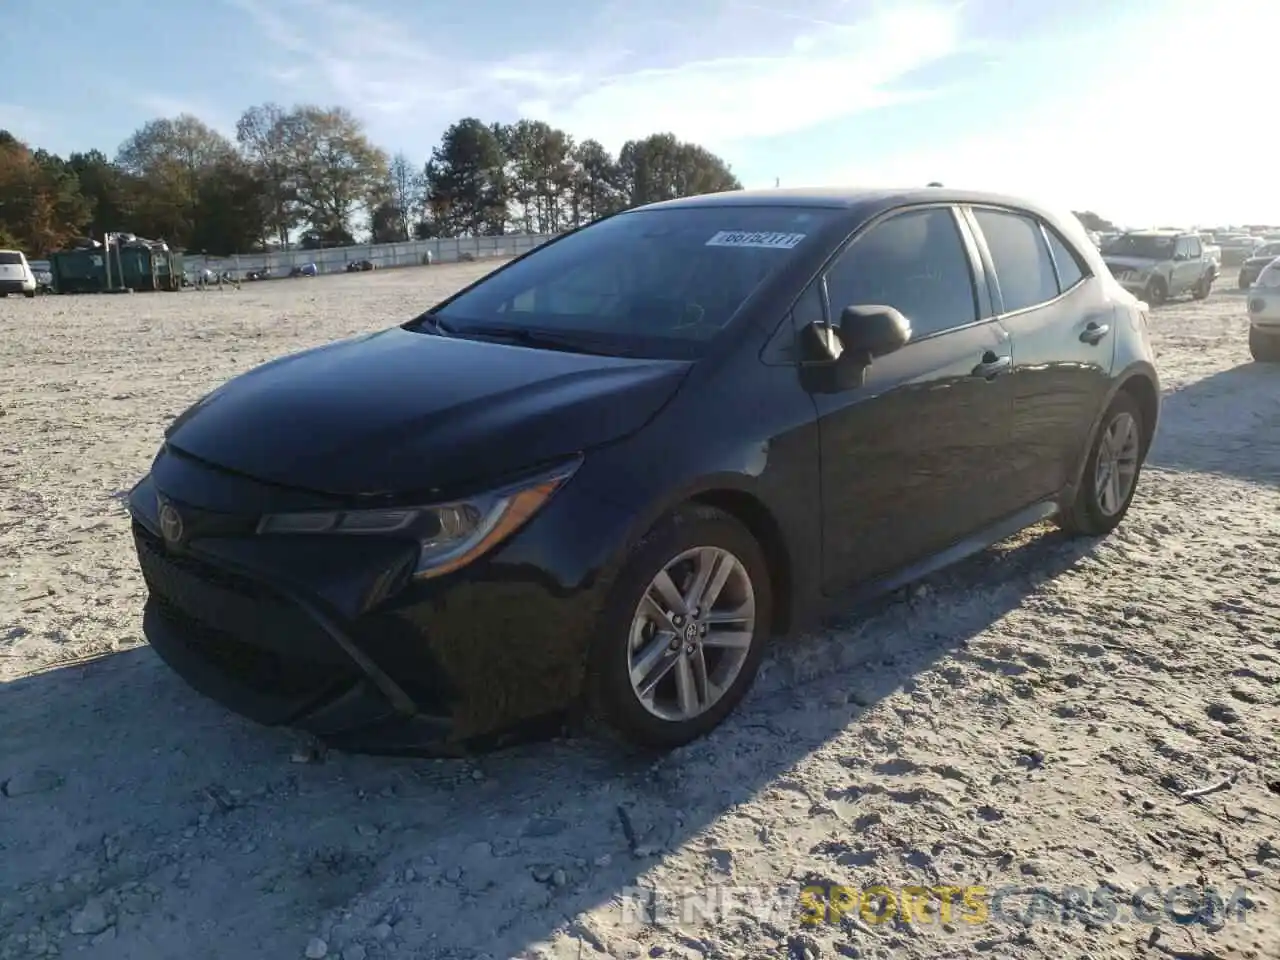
(868, 331)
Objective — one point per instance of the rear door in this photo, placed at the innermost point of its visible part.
(911, 459)
(1185, 269)
(1194, 265)
(1061, 323)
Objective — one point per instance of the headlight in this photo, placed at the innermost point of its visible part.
(449, 535)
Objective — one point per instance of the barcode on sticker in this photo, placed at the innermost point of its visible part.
(745, 238)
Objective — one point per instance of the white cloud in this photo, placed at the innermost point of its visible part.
(800, 70)
(1174, 128)
(828, 72)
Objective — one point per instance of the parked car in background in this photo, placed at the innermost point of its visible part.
(15, 274)
(1158, 264)
(1237, 248)
(359, 266)
(1264, 314)
(543, 494)
(305, 270)
(1252, 267)
(262, 273)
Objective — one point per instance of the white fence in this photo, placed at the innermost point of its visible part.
(381, 255)
(335, 259)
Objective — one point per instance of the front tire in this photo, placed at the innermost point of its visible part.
(1203, 288)
(683, 631)
(1111, 472)
(1264, 348)
(1156, 292)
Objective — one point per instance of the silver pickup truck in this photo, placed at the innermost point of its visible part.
(1158, 264)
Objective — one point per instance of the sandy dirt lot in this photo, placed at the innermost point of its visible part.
(1026, 720)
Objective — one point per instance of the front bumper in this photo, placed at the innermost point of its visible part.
(304, 632)
(1134, 281)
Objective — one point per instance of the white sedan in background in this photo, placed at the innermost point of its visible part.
(1264, 314)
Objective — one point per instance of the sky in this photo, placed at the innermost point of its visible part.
(1145, 111)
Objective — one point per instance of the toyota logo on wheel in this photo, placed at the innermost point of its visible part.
(170, 523)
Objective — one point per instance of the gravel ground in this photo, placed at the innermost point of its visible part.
(1028, 719)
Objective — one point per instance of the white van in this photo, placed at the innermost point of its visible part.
(15, 274)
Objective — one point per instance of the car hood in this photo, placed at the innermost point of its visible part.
(1129, 263)
(1259, 261)
(403, 412)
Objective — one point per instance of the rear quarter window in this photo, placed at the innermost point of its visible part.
(1070, 270)
(10, 259)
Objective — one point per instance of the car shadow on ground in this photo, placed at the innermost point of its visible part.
(155, 785)
(1219, 424)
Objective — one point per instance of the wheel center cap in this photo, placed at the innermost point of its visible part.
(691, 632)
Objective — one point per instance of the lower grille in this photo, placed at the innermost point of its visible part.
(240, 627)
(262, 671)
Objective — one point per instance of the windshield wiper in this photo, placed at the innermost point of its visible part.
(544, 339)
(433, 323)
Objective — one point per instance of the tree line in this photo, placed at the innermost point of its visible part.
(311, 175)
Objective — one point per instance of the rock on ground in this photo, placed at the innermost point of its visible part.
(1030, 720)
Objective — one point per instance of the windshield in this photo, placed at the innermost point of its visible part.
(10, 259)
(648, 283)
(1141, 245)
(1268, 250)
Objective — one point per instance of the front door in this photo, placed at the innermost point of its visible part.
(912, 459)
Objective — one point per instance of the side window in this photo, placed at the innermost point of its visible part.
(1021, 258)
(915, 262)
(1193, 248)
(1070, 272)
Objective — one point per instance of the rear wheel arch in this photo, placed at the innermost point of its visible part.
(1140, 382)
(1143, 390)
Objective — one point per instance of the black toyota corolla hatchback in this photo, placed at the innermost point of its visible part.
(603, 475)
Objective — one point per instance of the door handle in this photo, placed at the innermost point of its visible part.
(1094, 332)
(992, 366)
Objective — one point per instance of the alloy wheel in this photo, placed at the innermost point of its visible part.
(691, 633)
(1117, 467)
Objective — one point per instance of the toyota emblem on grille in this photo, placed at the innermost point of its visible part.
(170, 523)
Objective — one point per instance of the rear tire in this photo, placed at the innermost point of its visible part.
(1264, 348)
(1097, 510)
(1156, 292)
(1203, 288)
(627, 630)
(29, 294)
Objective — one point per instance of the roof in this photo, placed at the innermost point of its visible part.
(840, 197)
(860, 202)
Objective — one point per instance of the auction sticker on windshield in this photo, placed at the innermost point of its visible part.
(746, 238)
